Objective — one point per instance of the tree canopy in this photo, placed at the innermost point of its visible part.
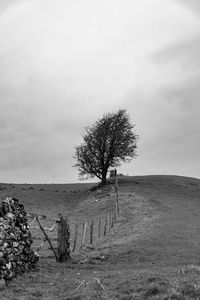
(107, 143)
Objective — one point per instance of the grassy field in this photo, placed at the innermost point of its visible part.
(153, 252)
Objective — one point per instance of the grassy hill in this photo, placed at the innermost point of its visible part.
(152, 253)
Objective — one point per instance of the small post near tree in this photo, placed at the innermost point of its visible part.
(107, 143)
(117, 192)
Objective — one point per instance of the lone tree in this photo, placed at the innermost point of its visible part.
(107, 143)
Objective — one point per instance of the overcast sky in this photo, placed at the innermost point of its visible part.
(64, 63)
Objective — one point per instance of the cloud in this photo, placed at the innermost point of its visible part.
(64, 64)
(168, 125)
(6, 4)
(194, 5)
(185, 53)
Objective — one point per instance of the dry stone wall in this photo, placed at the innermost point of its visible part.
(16, 255)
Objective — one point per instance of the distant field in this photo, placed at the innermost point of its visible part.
(49, 199)
(152, 253)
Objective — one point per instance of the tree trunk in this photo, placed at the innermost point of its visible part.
(103, 179)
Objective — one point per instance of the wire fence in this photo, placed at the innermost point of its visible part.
(45, 230)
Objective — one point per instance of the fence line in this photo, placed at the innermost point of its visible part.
(88, 234)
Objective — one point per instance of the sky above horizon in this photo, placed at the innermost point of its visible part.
(63, 64)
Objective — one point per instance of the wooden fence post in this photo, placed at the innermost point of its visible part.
(91, 231)
(84, 234)
(99, 228)
(105, 226)
(63, 240)
(114, 216)
(108, 223)
(112, 220)
(117, 192)
(75, 237)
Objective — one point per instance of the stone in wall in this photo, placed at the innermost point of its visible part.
(16, 255)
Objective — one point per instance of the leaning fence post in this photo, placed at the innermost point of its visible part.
(47, 238)
(63, 240)
(91, 231)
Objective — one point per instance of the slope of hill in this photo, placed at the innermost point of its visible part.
(160, 218)
(152, 253)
